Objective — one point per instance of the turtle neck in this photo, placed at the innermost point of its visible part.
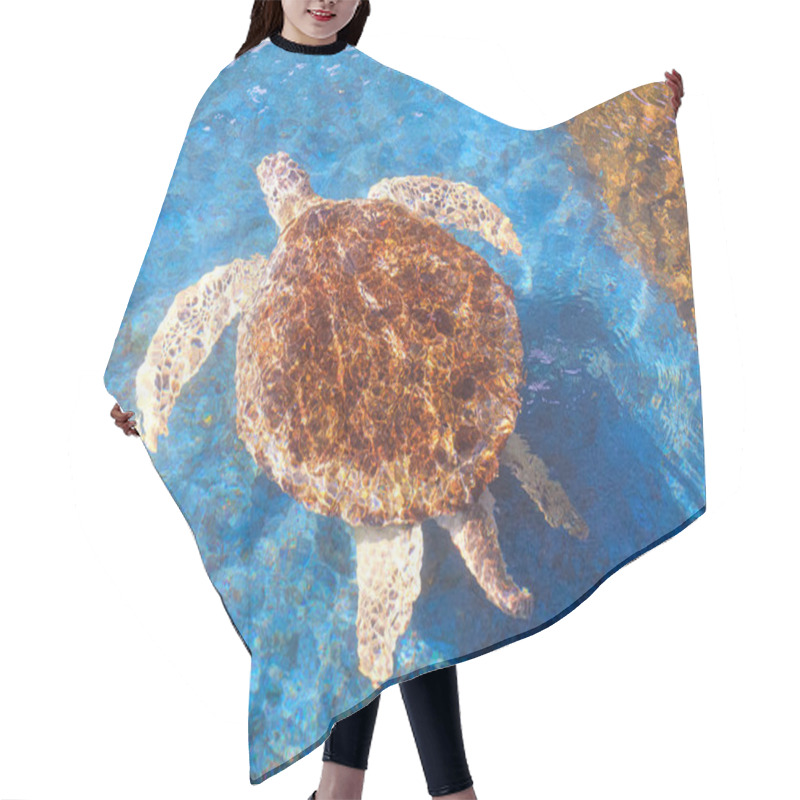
(310, 49)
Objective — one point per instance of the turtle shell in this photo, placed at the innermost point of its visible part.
(377, 365)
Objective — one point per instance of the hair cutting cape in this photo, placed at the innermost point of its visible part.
(419, 381)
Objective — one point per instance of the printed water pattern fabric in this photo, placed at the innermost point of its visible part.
(419, 381)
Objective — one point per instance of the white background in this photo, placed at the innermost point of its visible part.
(120, 674)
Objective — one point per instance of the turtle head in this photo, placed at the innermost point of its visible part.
(286, 186)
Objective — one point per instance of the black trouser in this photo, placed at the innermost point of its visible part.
(432, 706)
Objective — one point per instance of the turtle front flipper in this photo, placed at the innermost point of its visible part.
(183, 340)
(549, 495)
(474, 533)
(389, 562)
(451, 202)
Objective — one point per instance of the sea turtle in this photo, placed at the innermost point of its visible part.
(377, 366)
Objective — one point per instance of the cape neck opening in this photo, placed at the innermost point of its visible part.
(309, 49)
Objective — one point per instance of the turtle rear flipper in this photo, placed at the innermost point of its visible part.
(388, 567)
(451, 202)
(474, 533)
(183, 340)
(548, 494)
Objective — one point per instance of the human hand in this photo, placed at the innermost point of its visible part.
(123, 420)
(675, 82)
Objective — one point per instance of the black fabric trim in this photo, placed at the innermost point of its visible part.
(308, 49)
(247, 646)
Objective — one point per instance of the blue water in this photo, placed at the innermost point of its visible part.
(611, 403)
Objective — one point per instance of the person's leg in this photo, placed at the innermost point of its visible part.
(345, 755)
(433, 710)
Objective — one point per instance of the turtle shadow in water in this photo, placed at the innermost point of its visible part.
(378, 362)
